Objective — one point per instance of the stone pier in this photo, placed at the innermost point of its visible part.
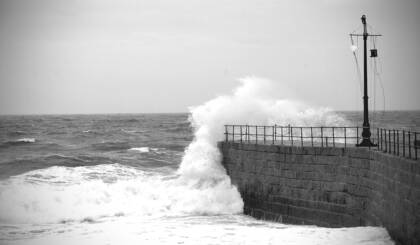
(330, 187)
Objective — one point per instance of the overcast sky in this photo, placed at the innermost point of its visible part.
(102, 56)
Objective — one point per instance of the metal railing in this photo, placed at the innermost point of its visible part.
(398, 142)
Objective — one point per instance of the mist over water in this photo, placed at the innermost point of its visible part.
(85, 174)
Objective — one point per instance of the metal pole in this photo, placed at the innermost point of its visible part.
(366, 142)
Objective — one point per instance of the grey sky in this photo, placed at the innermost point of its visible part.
(102, 56)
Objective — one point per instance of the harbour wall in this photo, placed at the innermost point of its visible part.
(325, 186)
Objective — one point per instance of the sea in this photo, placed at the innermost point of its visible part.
(118, 179)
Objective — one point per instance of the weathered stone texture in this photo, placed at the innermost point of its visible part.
(331, 187)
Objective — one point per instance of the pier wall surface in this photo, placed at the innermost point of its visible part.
(330, 187)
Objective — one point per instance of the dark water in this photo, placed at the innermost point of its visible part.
(33, 142)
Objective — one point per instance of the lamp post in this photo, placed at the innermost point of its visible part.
(366, 142)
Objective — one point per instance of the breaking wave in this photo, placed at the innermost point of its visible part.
(77, 194)
(22, 141)
(256, 101)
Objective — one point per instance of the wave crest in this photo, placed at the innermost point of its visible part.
(63, 194)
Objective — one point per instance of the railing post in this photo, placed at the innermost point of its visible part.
(403, 143)
(398, 142)
(322, 138)
(382, 145)
(357, 135)
(326, 141)
(301, 136)
(226, 133)
(233, 133)
(409, 144)
(246, 133)
(345, 137)
(256, 135)
(389, 140)
(281, 131)
(394, 141)
(249, 133)
(333, 137)
(274, 133)
(415, 144)
(291, 134)
(377, 139)
(312, 138)
(240, 131)
(264, 133)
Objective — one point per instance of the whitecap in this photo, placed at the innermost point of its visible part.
(140, 149)
(26, 140)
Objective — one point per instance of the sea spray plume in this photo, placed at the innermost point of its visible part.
(255, 101)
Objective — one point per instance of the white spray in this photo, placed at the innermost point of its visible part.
(256, 102)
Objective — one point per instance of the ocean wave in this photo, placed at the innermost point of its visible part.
(25, 140)
(146, 149)
(24, 164)
(140, 149)
(57, 194)
(21, 141)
